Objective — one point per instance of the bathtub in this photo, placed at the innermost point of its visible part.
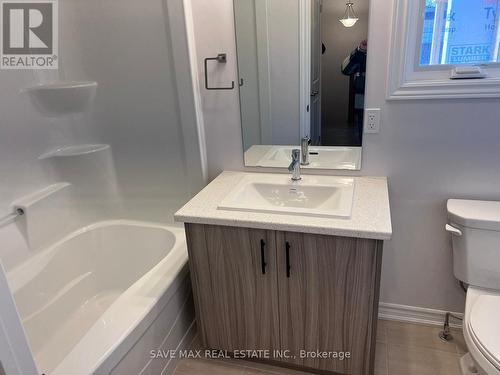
(87, 301)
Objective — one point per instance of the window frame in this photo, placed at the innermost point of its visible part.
(407, 79)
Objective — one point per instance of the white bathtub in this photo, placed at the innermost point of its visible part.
(86, 300)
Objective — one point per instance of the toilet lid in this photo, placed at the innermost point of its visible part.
(485, 327)
(474, 214)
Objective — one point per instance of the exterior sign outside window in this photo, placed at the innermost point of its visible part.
(460, 32)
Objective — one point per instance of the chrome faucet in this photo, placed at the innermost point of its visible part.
(295, 165)
(304, 150)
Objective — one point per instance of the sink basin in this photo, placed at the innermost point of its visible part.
(326, 196)
(319, 157)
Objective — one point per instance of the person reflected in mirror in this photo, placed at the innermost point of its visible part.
(354, 66)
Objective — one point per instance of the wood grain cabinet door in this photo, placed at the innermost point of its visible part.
(234, 275)
(328, 297)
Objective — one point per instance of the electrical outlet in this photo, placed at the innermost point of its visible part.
(372, 120)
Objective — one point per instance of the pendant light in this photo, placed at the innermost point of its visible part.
(349, 18)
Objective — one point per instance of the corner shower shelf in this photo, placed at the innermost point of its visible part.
(60, 98)
(70, 151)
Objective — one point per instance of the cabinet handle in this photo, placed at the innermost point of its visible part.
(287, 253)
(262, 256)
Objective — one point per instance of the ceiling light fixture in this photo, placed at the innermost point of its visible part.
(349, 18)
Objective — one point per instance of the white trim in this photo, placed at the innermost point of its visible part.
(15, 352)
(439, 20)
(446, 30)
(305, 66)
(497, 41)
(186, 77)
(404, 81)
(195, 84)
(413, 314)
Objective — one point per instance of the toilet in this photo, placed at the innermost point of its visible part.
(475, 229)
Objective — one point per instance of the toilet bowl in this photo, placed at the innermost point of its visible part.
(475, 229)
(481, 330)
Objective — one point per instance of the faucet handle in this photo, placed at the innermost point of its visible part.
(295, 165)
(304, 146)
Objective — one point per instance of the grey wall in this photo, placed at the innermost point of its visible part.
(430, 151)
(248, 69)
(284, 62)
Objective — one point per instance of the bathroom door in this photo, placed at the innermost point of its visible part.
(327, 299)
(316, 49)
(234, 282)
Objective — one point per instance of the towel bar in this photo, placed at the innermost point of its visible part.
(221, 58)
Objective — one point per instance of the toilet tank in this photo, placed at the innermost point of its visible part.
(475, 229)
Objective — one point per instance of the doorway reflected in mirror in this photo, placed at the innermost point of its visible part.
(343, 68)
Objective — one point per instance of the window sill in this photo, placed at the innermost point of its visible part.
(444, 89)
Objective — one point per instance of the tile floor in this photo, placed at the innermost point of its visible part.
(402, 349)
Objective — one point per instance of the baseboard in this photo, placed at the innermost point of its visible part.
(413, 314)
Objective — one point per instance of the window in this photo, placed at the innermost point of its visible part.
(435, 39)
(459, 32)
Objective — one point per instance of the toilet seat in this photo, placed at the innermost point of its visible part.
(484, 324)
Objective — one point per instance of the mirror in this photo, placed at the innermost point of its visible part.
(301, 66)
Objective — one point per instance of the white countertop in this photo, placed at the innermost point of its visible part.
(370, 216)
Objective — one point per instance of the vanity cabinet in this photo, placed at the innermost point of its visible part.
(328, 298)
(234, 285)
(263, 289)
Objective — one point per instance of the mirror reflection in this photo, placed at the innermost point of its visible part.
(302, 72)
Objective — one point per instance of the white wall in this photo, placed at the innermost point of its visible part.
(142, 68)
(127, 48)
(278, 70)
(214, 33)
(430, 150)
